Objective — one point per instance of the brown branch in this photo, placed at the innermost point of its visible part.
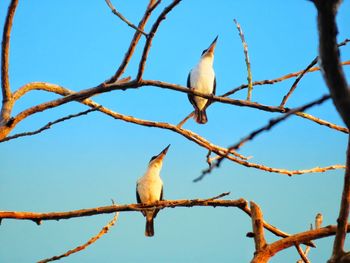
(247, 61)
(308, 68)
(82, 95)
(151, 6)
(186, 133)
(302, 255)
(48, 125)
(295, 84)
(5, 57)
(258, 227)
(37, 217)
(151, 35)
(92, 240)
(267, 127)
(272, 249)
(277, 120)
(280, 79)
(336, 82)
(118, 14)
(242, 204)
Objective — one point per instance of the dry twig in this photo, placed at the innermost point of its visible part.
(118, 14)
(92, 240)
(247, 61)
(48, 125)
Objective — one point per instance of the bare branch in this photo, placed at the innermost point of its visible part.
(308, 68)
(48, 125)
(295, 84)
(270, 250)
(151, 6)
(5, 51)
(247, 61)
(122, 208)
(5, 58)
(277, 120)
(92, 240)
(336, 82)
(118, 14)
(242, 204)
(302, 255)
(267, 127)
(258, 227)
(151, 35)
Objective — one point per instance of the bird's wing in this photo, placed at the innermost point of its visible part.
(161, 194)
(161, 198)
(214, 92)
(214, 89)
(138, 196)
(190, 96)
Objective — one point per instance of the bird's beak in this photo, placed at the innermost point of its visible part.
(162, 154)
(212, 46)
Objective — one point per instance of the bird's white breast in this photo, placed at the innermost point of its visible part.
(149, 186)
(202, 80)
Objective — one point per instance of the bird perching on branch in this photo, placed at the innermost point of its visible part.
(149, 188)
(202, 79)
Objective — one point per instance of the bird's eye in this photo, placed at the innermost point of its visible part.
(153, 157)
(204, 51)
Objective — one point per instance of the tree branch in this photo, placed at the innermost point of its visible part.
(118, 14)
(151, 6)
(92, 240)
(336, 82)
(242, 204)
(5, 58)
(295, 84)
(247, 61)
(48, 125)
(150, 37)
(302, 254)
(258, 227)
(267, 127)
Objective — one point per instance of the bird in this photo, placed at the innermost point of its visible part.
(202, 79)
(149, 188)
(318, 221)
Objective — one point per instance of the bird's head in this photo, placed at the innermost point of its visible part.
(210, 50)
(157, 160)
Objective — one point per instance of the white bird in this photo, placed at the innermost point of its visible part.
(202, 79)
(149, 188)
(318, 221)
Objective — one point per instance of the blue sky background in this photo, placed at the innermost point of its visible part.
(85, 162)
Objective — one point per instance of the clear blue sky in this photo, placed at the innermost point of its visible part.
(87, 161)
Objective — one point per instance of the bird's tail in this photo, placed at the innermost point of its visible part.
(200, 116)
(149, 231)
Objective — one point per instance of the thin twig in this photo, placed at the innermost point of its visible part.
(118, 14)
(247, 61)
(308, 68)
(181, 123)
(268, 126)
(277, 120)
(151, 35)
(285, 77)
(302, 254)
(295, 83)
(48, 125)
(92, 240)
(151, 6)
